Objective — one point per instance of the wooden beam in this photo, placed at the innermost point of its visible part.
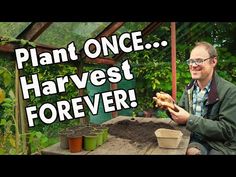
(150, 28)
(109, 30)
(30, 33)
(114, 86)
(100, 60)
(34, 30)
(8, 48)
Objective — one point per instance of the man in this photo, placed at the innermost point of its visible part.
(207, 106)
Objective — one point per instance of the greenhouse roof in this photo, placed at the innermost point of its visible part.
(48, 36)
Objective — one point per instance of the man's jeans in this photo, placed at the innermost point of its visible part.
(198, 142)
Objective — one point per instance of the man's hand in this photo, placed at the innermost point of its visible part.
(193, 151)
(180, 117)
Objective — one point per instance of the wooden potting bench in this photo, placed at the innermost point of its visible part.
(119, 146)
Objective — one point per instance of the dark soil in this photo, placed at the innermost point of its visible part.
(142, 133)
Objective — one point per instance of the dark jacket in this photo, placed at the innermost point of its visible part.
(218, 125)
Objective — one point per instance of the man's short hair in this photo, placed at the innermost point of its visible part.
(210, 48)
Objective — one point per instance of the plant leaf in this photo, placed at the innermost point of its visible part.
(12, 141)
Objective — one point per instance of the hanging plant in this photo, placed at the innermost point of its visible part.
(21, 42)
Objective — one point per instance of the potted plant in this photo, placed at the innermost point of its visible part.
(64, 144)
(105, 133)
(99, 134)
(90, 142)
(75, 142)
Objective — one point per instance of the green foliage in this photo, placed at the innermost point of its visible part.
(20, 42)
(7, 84)
(161, 114)
(38, 140)
(7, 137)
(12, 29)
(7, 108)
(226, 67)
(7, 71)
(46, 73)
(152, 68)
(131, 26)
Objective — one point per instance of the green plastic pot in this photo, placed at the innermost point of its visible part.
(105, 134)
(90, 142)
(104, 131)
(99, 134)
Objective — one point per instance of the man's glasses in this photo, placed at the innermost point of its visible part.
(198, 61)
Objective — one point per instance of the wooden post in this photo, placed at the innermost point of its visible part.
(114, 114)
(22, 120)
(20, 117)
(17, 109)
(84, 120)
(173, 59)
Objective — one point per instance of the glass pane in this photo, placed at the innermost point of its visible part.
(7, 75)
(132, 26)
(128, 27)
(12, 29)
(59, 34)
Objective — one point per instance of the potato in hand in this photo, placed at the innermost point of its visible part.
(164, 101)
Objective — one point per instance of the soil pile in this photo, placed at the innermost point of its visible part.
(135, 131)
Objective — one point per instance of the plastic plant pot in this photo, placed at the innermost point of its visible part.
(168, 138)
(64, 143)
(99, 134)
(75, 143)
(105, 134)
(104, 131)
(90, 142)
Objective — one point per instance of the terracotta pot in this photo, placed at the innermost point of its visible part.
(75, 143)
(90, 142)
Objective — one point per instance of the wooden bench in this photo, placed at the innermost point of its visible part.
(119, 146)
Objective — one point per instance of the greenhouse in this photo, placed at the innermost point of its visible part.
(64, 80)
